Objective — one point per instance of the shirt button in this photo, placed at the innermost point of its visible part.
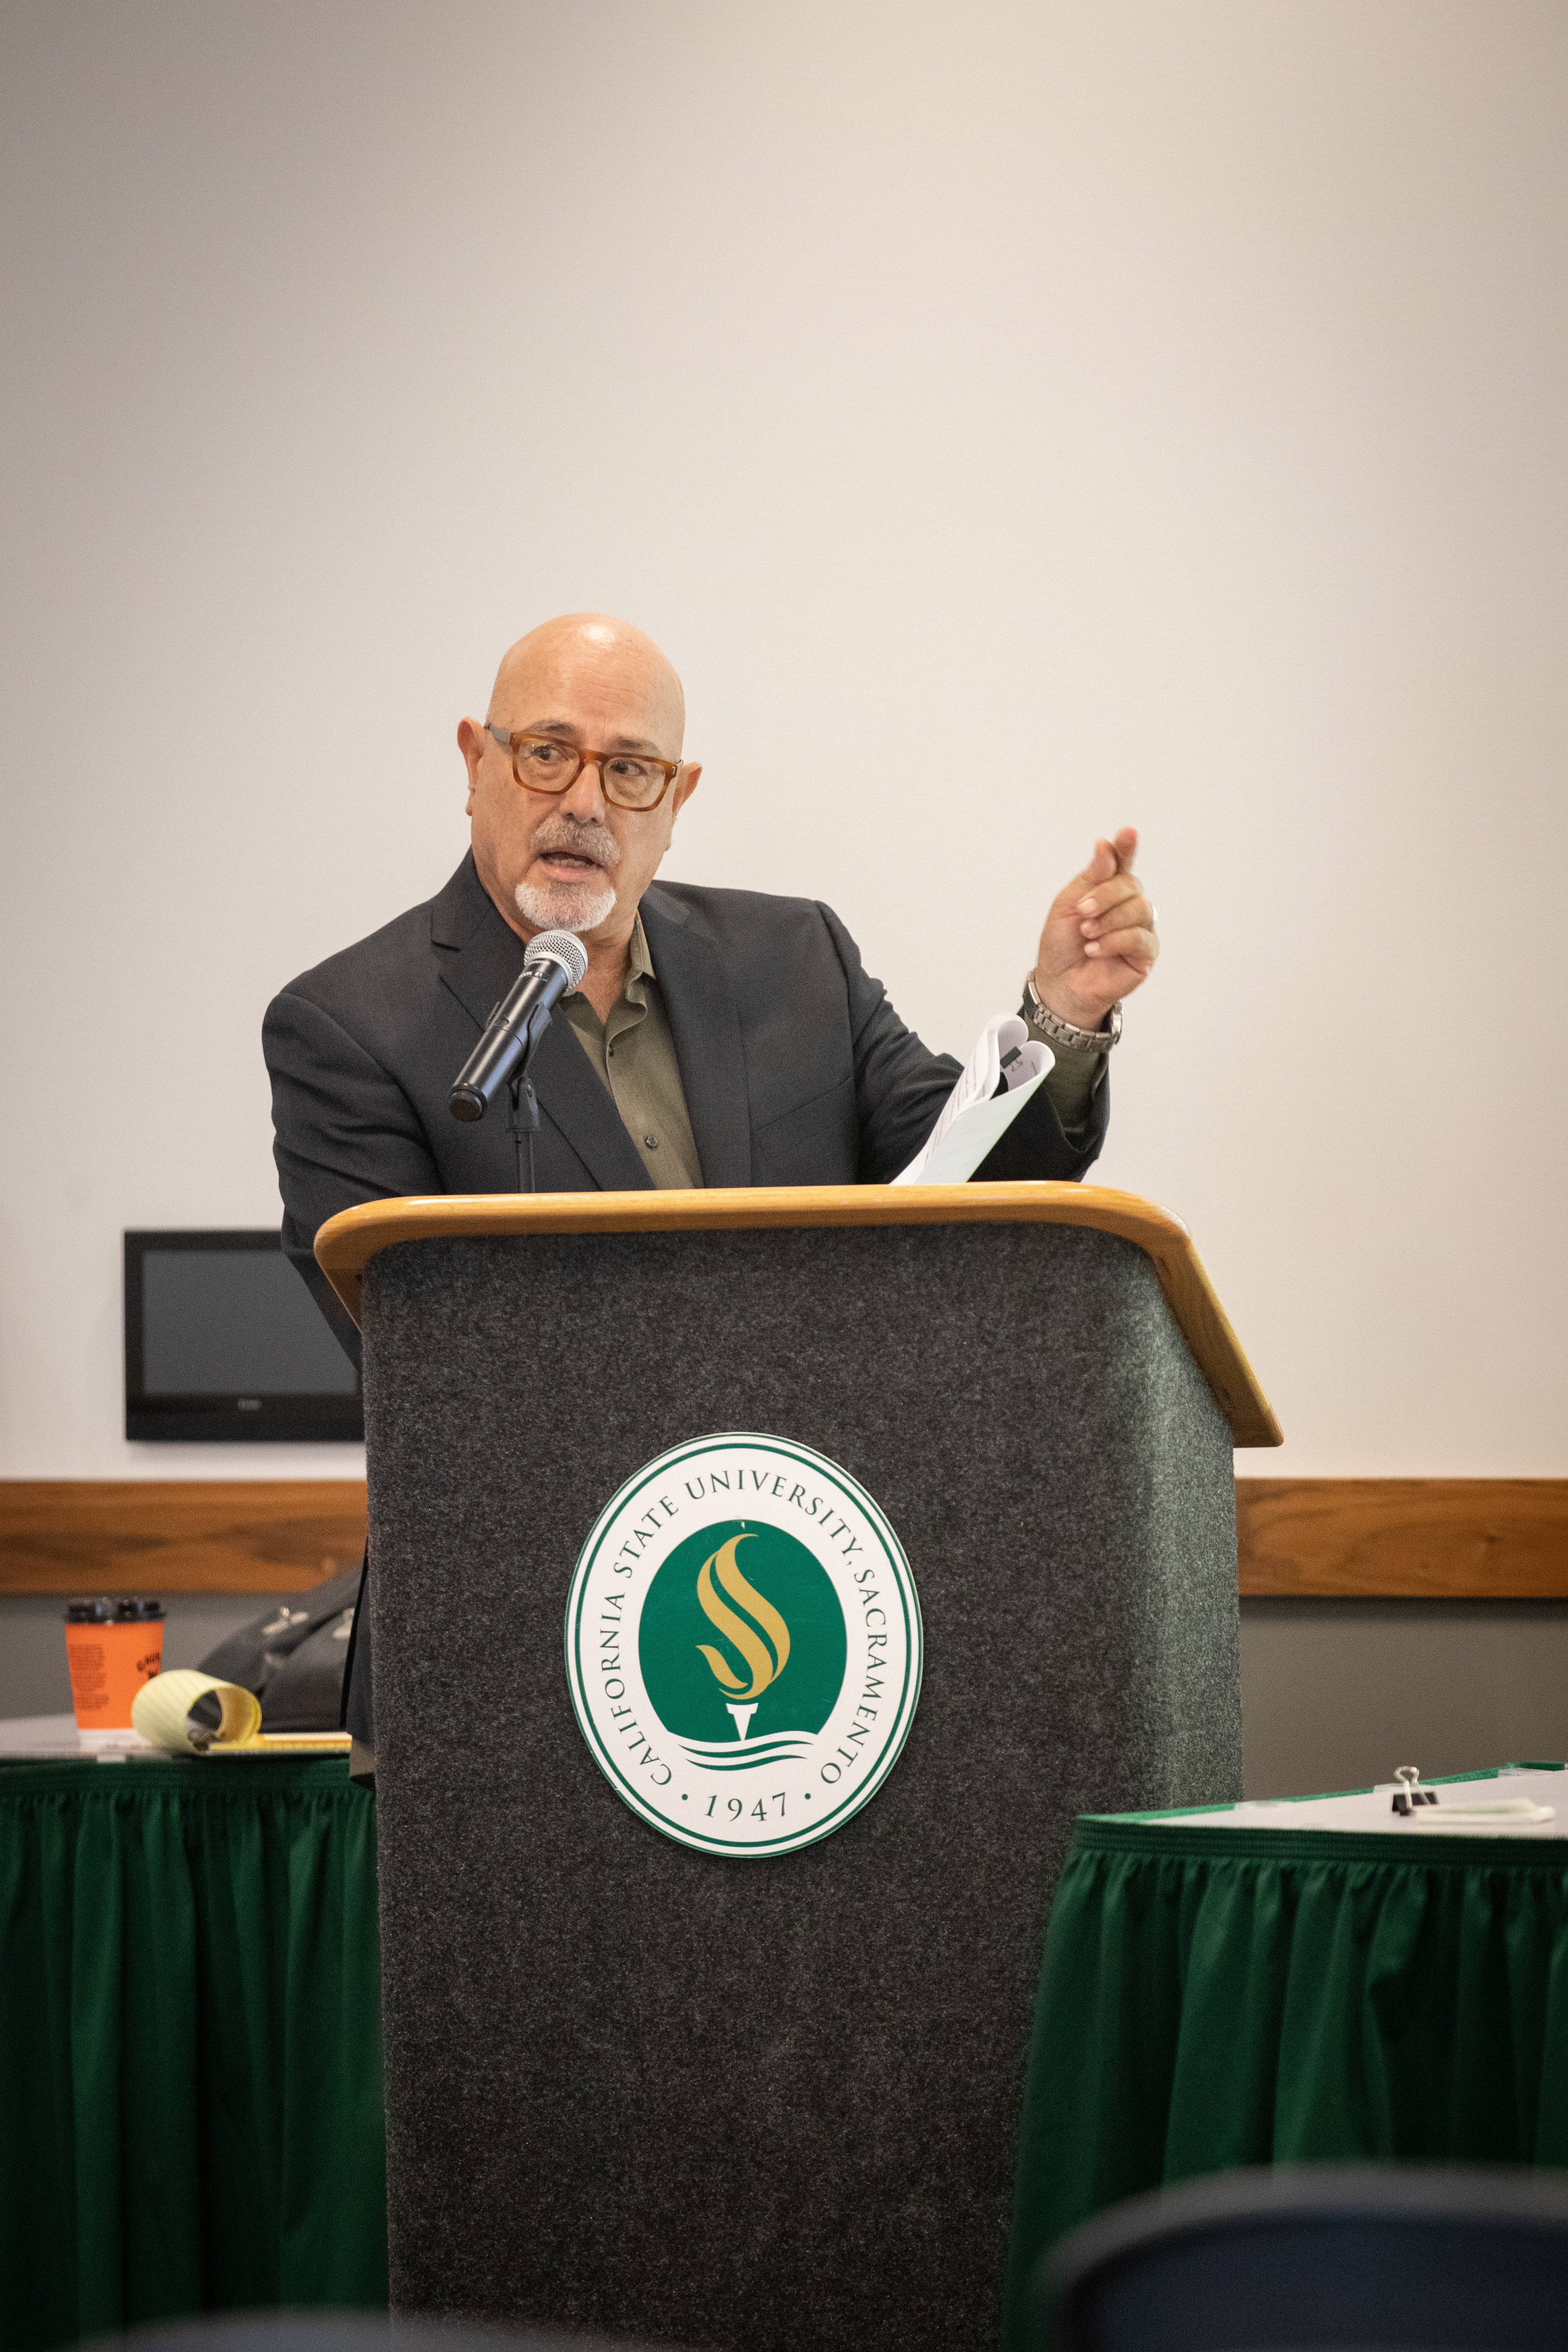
(651, 1142)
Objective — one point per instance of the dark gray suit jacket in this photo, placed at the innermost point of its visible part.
(796, 1069)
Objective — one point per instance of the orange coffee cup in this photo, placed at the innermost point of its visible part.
(113, 1647)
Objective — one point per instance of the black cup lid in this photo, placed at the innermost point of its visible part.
(133, 1610)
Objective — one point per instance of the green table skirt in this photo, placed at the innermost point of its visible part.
(189, 2044)
(190, 2061)
(1212, 1998)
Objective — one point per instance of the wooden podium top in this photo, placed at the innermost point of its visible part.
(347, 1242)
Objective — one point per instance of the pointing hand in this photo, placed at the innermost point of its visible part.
(1099, 942)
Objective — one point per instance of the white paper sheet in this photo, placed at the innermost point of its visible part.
(1004, 1071)
(1467, 1808)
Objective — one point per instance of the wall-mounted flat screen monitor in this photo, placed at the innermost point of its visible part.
(223, 1341)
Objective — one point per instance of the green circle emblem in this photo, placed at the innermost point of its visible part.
(743, 1644)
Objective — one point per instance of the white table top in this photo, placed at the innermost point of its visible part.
(48, 1737)
(1509, 1802)
(54, 1738)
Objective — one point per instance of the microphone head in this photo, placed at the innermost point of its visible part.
(559, 946)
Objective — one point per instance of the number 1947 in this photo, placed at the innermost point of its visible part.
(735, 1806)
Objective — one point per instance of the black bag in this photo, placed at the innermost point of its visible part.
(293, 1658)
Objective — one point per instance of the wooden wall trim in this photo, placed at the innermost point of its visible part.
(1398, 1538)
(178, 1535)
(1404, 1539)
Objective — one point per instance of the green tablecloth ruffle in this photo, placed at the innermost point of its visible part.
(189, 2044)
(1212, 1998)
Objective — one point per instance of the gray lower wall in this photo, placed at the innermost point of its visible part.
(33, 1677)
(1335, 1693)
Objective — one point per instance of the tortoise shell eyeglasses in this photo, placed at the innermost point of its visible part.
(542, 763)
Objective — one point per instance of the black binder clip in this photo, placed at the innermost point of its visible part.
(1411, 1793)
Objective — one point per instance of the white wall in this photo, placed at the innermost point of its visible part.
(1014, 419)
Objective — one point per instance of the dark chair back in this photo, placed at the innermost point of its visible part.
(1319, 2256)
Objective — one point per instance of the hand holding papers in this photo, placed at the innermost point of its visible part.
(1004, 1069)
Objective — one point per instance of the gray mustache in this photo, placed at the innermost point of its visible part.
(594, 841)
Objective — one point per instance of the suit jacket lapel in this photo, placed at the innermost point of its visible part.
(479, 957)
(705, 1023)
(573, 1097)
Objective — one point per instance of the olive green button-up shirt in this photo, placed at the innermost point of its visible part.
(633, 1054)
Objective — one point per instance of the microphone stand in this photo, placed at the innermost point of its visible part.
(522, 1110)
(523, 1120)
(512, 1035)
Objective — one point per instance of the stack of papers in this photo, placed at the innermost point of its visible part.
(1004, 1069)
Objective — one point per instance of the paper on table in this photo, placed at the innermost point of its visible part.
(286, 1743)
(1004, 1071)
(1478, 1820)
(1513, 1803)
(162, 1713)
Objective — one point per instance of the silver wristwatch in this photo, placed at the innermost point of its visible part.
(1064, 1034)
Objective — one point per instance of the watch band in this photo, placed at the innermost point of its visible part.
(1065, 1034)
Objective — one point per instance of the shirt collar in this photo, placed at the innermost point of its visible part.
(642, 961)
(639, 965)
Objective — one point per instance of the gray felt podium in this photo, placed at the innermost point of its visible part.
(765, 2100)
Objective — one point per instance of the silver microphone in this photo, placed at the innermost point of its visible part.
(554, 963)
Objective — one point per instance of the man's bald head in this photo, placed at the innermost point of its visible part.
(573, 858)
(592, 656)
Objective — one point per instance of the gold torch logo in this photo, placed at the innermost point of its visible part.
(765, 1653)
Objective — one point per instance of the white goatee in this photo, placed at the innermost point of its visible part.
(566, 905)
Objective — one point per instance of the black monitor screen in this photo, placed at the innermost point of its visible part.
(223, 1339)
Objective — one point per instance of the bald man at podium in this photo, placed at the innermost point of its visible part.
(718, 1037)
